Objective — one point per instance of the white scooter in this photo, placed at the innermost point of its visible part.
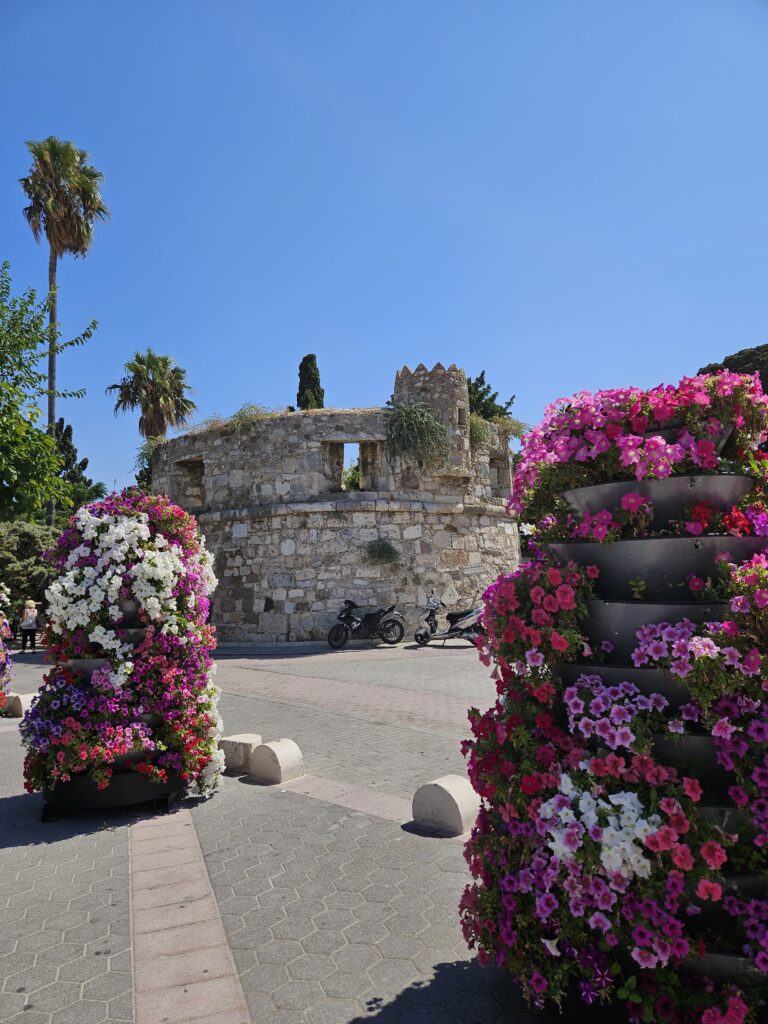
(463, 625)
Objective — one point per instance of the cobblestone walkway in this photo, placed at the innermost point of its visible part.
(333, 912)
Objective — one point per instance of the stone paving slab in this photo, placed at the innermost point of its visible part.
(335, 916)
(65, 944)
(333, 912)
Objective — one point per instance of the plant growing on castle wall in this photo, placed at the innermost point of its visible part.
(484, 404)
(478, 431)
(382, 551)
(415, 431)
(310, 394)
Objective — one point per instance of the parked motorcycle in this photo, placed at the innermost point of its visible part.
(353, 624)
(463, 625)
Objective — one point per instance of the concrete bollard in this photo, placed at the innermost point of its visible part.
(449, 805)
(278, 761)
(238, 750)
(14, 707)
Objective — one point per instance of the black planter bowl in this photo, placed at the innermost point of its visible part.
(132, 636)
(84, 667)
(724, 968)
(694, 756)
(129, 611)
(647, 680)
(619, 621)
(728, 817)
(669, 496)
(124, 789)
(663, 563)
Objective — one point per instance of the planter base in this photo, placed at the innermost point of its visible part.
(124, 789)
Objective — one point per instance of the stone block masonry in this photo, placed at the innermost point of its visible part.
(291, 544)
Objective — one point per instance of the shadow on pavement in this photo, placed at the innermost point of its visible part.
(459, 991)
(20, 823)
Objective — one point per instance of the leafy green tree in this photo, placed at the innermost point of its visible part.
(64, 203)
(81, 488)
(350, 477)
(746, 360)
(30, 463)
(483, 401)
(157, 387)
(143, 463)
(23, 569)
(310, 394)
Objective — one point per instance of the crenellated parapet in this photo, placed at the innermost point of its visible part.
(291, 542)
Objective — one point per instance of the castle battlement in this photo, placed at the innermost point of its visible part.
(291, 543)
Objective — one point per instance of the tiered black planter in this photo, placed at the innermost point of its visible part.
(665, 564)
(126, 786)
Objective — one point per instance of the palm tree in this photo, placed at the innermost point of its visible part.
(64, 203)
(154, 385)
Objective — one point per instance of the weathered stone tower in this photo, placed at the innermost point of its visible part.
(291, 544)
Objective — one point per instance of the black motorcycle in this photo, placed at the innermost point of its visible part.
(378, 625)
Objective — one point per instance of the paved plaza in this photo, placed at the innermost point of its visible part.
(311, 902)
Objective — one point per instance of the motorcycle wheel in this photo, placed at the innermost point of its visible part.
(338, 636)
(422, 636)
(391, 631)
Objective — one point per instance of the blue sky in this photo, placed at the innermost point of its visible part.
(568, 195)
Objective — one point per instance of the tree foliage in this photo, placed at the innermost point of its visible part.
(30, 463)
(64, 197)
(143, 463)
(64, 203)
(310, 395)
(157, 387)
(81, 488)
(23, 569)
(483, 400)
(746, 360)
(350, 477)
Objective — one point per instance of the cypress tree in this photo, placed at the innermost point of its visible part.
(310, 395)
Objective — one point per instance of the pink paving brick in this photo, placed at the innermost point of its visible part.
(188, 1002)
(182, 873)
(151, 945)
(183, 912)
(183, 967)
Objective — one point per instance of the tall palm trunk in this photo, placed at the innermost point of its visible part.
(50, 508)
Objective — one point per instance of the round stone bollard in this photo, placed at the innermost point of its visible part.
(14, 707)
(238, 751)
(278, 761)
(449, 805)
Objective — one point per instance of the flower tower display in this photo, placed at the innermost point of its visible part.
(6, 663)
(128, 711)
(620, 856)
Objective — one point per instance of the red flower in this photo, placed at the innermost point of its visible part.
(714, 854)
(558, 642)
(707, 890)
(530, 785)
(692, 789)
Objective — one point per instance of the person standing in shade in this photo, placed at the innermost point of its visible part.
(28, 625)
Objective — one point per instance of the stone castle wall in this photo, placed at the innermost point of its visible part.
(291, 545)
